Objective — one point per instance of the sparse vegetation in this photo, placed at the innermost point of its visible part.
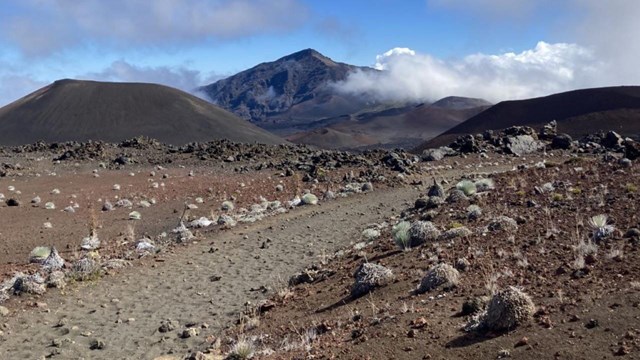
(506, 310)
(442, 276)
(601, 227)
(242, 349)
(401, 235)
(468, 187)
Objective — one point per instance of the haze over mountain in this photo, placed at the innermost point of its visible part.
(87, 110)
(404, 126)
(295, 89)
(298, 96)
(577, 113)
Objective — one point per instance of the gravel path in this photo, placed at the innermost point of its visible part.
(124, 311)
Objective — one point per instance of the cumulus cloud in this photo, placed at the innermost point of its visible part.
(406, 75)
(178, 77)
(607, 30)
(39, 27)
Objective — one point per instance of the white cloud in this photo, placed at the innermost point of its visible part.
(16, 85)
(178, 77)
(406, 75)
(39, 27)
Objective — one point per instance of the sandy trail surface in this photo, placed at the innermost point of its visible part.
(124, 311)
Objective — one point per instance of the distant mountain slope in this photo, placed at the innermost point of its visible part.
(405, 127)
(578, 113)
(291, 90)
(81, 110)
(460, 103)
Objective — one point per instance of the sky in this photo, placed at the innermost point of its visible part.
(427, 49)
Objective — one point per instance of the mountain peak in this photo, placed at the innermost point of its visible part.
(307, 54)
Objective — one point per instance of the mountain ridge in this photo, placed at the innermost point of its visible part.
(292, 89)
(577, 112)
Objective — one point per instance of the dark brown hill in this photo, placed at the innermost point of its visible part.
(404, 127)
(460, 103)
(72, 110)
(578, 113)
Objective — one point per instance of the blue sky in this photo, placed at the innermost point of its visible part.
(456, 44)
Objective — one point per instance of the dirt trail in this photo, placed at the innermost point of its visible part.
(124, 311)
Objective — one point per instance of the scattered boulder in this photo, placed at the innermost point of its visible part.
(30, 284)
(12, 202)
(97, 345)
(612, 140)
(522, 145)
(369, 276)
(467, 144)
(562, 141)
(189, 333)
(168, 325)
(549, 130)
(632, 149)
(437, 154)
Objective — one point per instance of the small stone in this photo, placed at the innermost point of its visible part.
(419, 323)
(593, 323)
(4, 311)
(97, 344)
(522, 342)
(623, 350)
(190, 332)
(13, 202)
(168, 325)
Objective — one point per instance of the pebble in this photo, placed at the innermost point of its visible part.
(97, 345)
